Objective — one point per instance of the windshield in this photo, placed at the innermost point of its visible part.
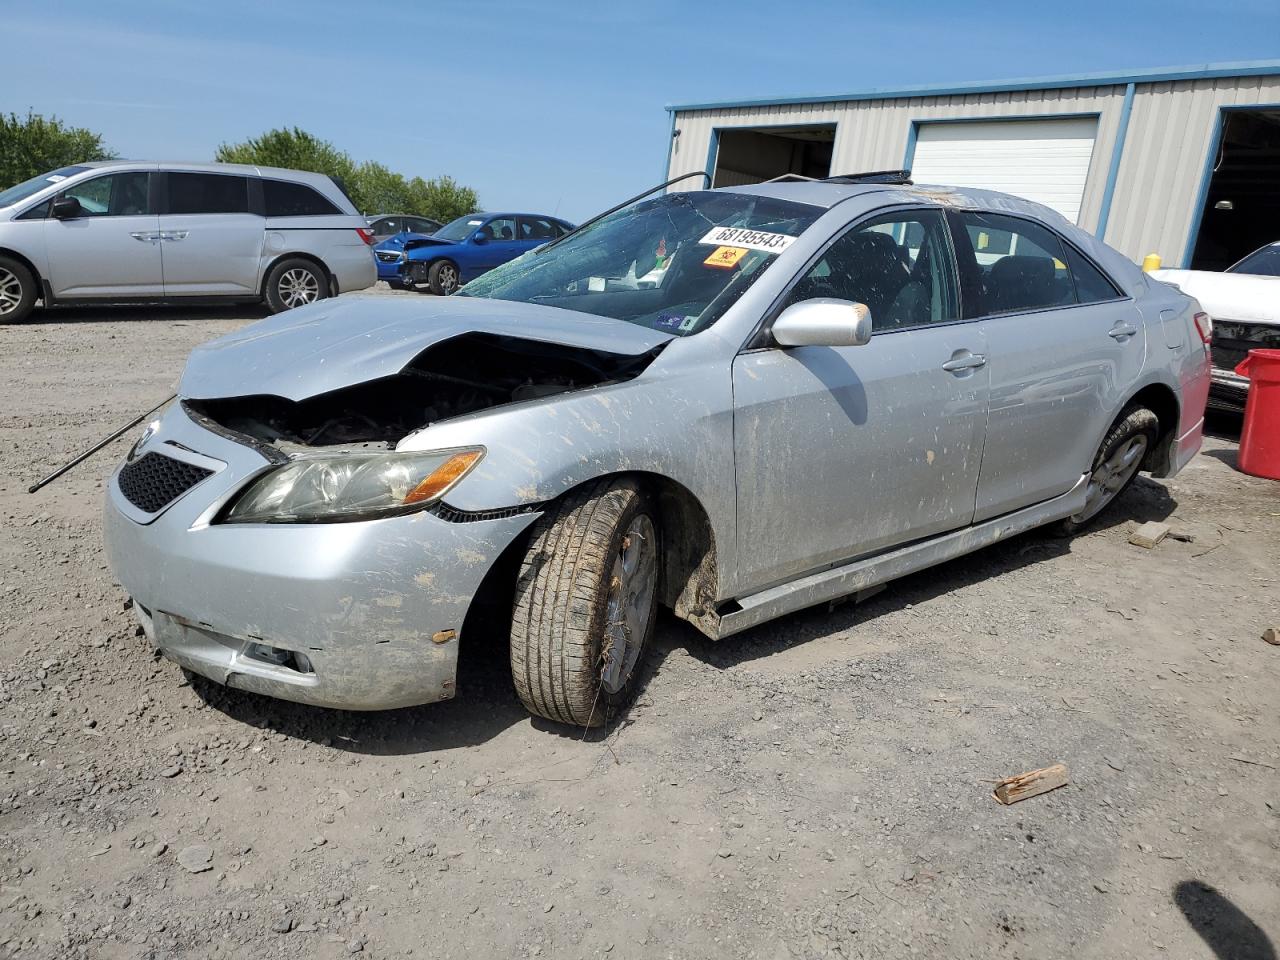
(29, 188)
(459, 229)
(1264, 262)
(673, 263)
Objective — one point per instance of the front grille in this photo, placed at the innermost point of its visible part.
(154, 481)
(387, 257)
(1233, 339)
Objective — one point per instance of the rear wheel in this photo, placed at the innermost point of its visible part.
(17, 291)
(585, 606)
(443, 277)
(295, 283)
(1116, 465)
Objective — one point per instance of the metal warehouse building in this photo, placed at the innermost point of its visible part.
(1183, 162)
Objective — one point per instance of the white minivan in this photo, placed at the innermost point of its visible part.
(124, 231)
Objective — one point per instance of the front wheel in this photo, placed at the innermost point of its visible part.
(443, 278)
(17, 291)
(1116, 464)
(585, 605)
(295, 283)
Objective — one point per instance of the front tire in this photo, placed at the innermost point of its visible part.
(1116, 464)
(443, 278)
(585, 605)
(295, 283)
(17, 291)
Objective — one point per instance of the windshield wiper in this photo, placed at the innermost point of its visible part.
(624, 203)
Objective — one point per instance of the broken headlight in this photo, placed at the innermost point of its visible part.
(358, 486)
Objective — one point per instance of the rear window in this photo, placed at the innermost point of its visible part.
(191, 193)
(285, 199)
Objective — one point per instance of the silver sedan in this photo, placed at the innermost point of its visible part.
(732, 403)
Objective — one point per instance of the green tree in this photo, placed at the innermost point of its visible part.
(372, 186)
(33, 145)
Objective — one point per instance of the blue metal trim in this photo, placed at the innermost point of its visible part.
(1208, 71)
(1202, 195)
(1113, 172)
(913, 131)
(713, 147)
(671, 146)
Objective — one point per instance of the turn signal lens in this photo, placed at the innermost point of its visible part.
(1204, 327)
(443, 477)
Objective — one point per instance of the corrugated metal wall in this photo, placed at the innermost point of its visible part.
(1170, 134)
(1170, 130)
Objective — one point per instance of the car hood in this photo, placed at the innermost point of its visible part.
(398, 240)
(354, 339)
(1242, 297)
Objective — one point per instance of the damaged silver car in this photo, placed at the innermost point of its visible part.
(731, 403)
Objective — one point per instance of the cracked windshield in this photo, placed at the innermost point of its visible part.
(674, 263)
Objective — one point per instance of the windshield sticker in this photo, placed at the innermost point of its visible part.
(725, 258)
(55, 178)
(474, 223)
(751, 239)
(669, 321)
(688, 323)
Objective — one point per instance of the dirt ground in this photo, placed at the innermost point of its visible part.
(820, 787)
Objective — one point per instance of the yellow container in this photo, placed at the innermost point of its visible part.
(1150, 262)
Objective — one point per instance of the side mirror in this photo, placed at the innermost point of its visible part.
(66, 208)
(479, 238)
(823, 323)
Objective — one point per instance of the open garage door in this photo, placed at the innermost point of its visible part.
(753, 155)
(1046, 161)
(1242, 205)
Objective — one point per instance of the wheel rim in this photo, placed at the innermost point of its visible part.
(10, 292)
(298, 287)
(448, 278)
(629, 607)
(1110, 476)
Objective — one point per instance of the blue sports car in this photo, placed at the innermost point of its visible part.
(389, 254)
(462, 250)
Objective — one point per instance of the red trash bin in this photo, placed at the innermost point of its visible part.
(1260, 438)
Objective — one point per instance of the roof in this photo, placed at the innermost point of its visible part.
(1207, 71)
(212, 167)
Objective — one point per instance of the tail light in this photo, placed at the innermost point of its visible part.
(1204, 327)
(365, 235)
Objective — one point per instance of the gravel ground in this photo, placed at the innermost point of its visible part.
(820, 787)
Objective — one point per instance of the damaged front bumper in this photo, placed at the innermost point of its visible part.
(362, 616)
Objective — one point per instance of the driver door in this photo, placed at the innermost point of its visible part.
(112, 249)
(845, 451)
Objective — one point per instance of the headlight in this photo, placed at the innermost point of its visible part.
(357, 486)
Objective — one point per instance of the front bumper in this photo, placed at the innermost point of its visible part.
(1228, 391)
(388, 270)
(361, 601)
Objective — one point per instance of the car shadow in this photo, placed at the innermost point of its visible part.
(146, 313)
(1231, 457)
(1145, 500)
(1225, 928)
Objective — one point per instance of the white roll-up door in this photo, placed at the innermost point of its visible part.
(1042, 160)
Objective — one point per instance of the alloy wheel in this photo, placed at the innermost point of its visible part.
(298, 287)
(10, 292)
(448, 278)
(629, 606)
(1110, 476)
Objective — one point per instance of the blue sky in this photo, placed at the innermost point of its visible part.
(548, 106)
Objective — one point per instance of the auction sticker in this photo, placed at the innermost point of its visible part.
(725, 258)
(750, 239)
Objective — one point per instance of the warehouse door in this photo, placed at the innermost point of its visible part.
(746, 155)
(1242, 204)
(1042, 160)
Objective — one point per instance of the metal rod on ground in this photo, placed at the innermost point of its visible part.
(98, 446)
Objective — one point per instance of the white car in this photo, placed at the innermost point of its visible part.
(123, 231)
(1244, 303)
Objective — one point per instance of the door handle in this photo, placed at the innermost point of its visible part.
(1121, 331)
(969, 362)
(146, 236)
(174, 234)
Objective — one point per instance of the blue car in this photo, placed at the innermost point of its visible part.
(462, 250)
(389, 254)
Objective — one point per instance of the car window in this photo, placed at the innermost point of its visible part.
(39, 212)
(192, 193)
(1092, 285)
(1016, 265)
(899, 265)
(283, 198)
(420, 225)
(461, 228)
(386, 227)
(537, 228)
(29, 188)
(1263, 263)
(499, 228)
(115, 195)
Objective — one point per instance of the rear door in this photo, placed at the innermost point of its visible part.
(211, 242)
(843, 451)
(1065, 348)
(535, 231)
(113, 248)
